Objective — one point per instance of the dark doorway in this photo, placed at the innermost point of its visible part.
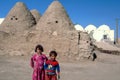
(104, 36)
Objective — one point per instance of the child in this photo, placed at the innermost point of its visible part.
(51, 66)
(37, 63)
(93, 54)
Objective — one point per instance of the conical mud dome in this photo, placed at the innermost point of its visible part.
(55, 19)
(18, 19)
(36, 14)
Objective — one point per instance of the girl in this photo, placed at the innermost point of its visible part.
(37, 63)
(51, 66)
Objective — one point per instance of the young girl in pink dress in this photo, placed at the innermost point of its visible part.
(37, 63)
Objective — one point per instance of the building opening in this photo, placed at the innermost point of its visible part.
(104, 36)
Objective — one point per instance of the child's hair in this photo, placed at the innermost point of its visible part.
(53, 53)
(39, 47)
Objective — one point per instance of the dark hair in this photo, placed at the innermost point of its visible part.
(39, 47)
(53, 53)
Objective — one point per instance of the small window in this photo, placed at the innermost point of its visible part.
(56, 21)
(87, 41)
(11, 18)
(104, 36)
(91, 44)
(34, 23)
(16, 18)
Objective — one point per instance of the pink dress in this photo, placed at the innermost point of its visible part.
(37, 63)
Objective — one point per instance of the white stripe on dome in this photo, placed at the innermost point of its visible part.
(104, 27)
(90, 28)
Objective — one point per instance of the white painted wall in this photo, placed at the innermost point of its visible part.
(79, 27)
(98, 33)
(1, 20)
(90, 28)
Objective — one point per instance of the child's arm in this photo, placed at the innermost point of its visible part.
(58, 71)
(32, 62)
(45, 66)
(45, 58)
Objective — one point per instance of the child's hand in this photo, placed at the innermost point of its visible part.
(58, 77)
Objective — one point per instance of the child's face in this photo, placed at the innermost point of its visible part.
(52, 57)
(38, 50)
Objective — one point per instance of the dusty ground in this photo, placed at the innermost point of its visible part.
(106, 67)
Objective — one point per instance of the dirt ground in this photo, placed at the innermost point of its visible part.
(106, 67)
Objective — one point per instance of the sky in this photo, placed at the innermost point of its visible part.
(83, 12)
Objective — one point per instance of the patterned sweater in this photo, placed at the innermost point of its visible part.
(52, 67)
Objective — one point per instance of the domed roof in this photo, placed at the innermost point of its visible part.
(79, 27)
(90, 28)
(36, 14)
(1, 20)
(18, 19)
(104, 27)
(55, 18)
